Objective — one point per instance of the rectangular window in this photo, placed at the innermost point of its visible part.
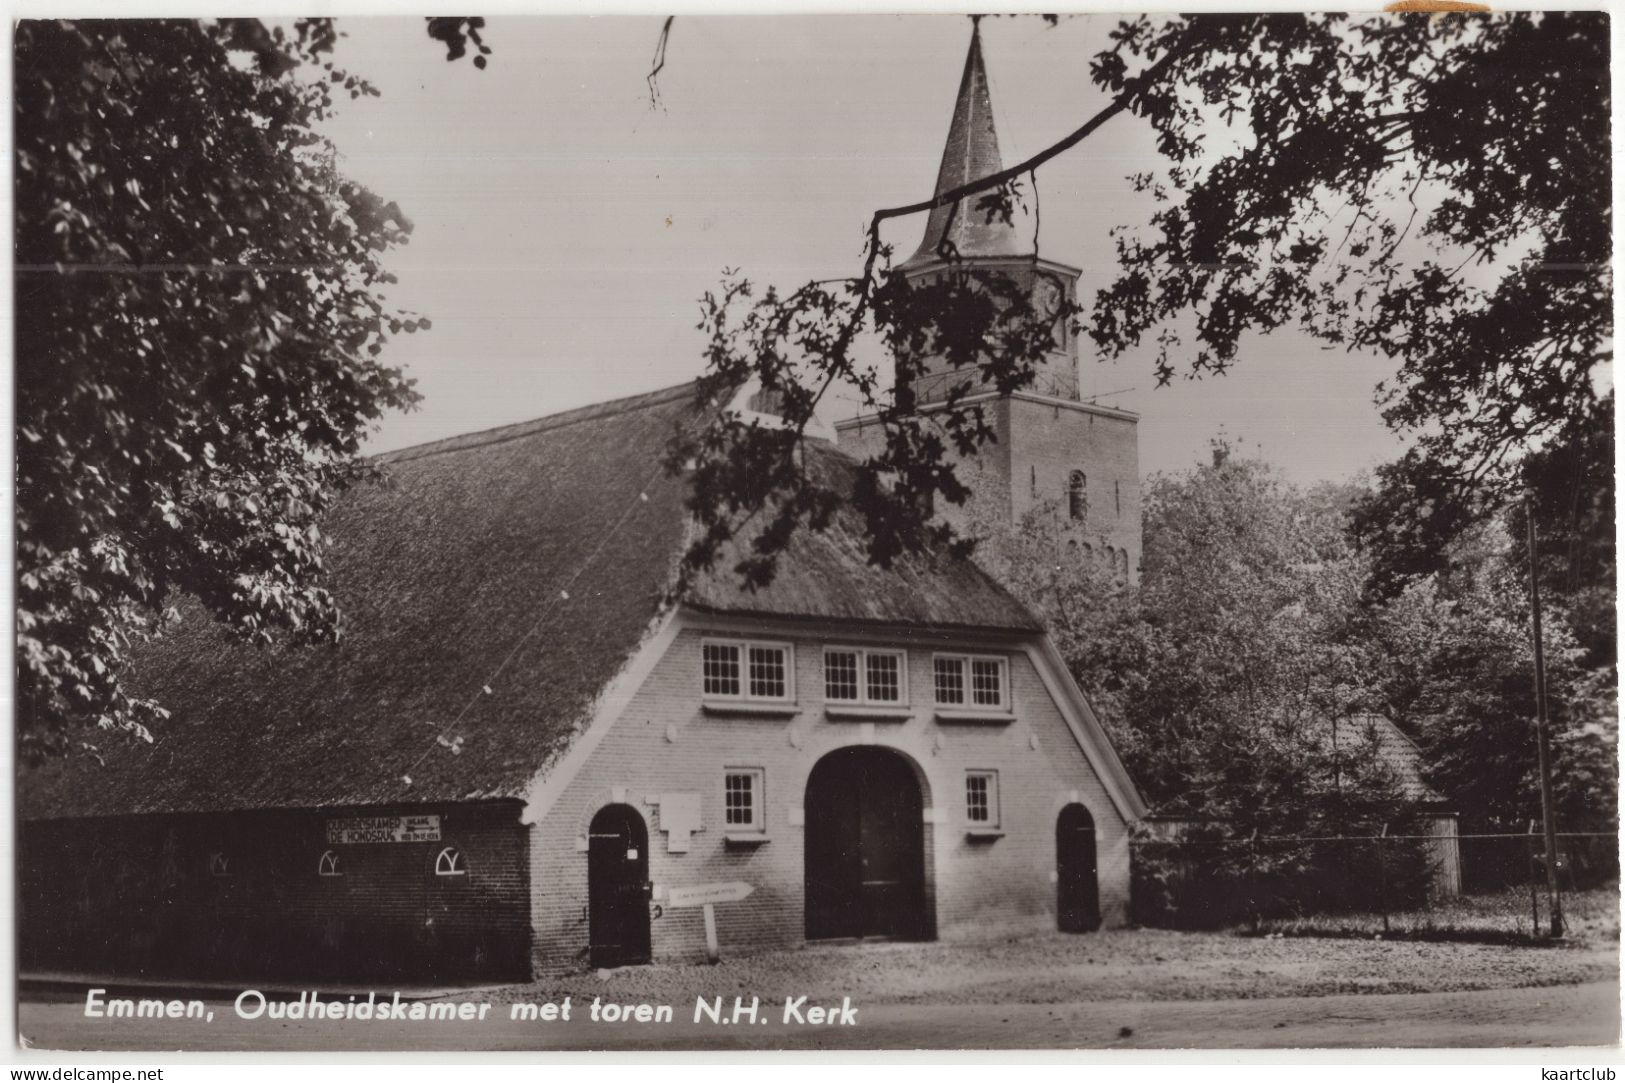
(863, 676)
(841, 676)
(745, 670)
(883, 673)
(970, 681)
(767, 673)
(742, 799)
(982, 798)
(721, 669)
(950, 680)
(986, 682)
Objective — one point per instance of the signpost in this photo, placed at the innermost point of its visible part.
(707, 896)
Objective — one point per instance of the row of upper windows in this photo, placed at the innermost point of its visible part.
(448, 862)
(744, 797)
(862, 676)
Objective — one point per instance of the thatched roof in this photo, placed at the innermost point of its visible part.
(529, 560)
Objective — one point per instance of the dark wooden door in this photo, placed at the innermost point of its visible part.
(865, 847)
(1077, 878)
(618, 887)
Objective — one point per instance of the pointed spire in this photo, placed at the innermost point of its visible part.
(972, 153)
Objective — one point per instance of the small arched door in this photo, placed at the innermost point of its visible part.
(1077, 878)
(618, 887)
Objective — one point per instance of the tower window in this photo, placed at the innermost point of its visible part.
(449, 862)
(1077, 492)
(328, 864)
(1034, 481)
(1117, 495)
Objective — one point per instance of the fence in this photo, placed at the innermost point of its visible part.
(1380, 882)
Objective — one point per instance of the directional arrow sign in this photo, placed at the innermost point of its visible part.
(702, 894)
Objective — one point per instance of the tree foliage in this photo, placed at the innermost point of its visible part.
(1233, 677)
(1251, 631)
(795, 348)
(198, 340)
(1456, 668)
(1237, 680)
(1434, 188)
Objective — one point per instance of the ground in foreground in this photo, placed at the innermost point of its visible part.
(1130, 988)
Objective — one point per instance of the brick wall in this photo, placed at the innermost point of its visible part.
(1048, 441)
(664, 743)
(136, 896)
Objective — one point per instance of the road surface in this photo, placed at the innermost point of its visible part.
(1564, 1015)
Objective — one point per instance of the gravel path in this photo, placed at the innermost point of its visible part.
(1130, 964)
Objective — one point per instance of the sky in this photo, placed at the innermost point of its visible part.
(565, 227)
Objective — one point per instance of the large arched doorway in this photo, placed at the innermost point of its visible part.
(618, 887)
(1077, 878)
(865, 847)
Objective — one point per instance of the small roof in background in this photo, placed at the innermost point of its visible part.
(1394, 750)
(492, 586)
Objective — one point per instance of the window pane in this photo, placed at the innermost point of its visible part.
(739, 799)
(721, 669)
(885, 685)
(767, 672)
(950, 679)
(841, 675)
(985, 683)
(976, 799)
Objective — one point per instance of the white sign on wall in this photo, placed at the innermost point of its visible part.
(383, 829)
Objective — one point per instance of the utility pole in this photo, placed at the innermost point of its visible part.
(1542, 729)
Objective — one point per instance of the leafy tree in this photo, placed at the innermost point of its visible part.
(198, 340)
(1411, 522)
(1433, 187)
(1430, 187)
(1221, 672)
(1456, 666)
(1236, 681)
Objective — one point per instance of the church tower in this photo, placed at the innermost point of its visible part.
(1075, 459)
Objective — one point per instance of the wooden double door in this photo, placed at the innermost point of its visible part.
(865, 848)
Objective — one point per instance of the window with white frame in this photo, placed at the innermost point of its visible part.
(746, 669)
(948, 677)
(968, 680)
(742, 799)
(721, 666)
(854, 675)
(449, 862)
(982, 798)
